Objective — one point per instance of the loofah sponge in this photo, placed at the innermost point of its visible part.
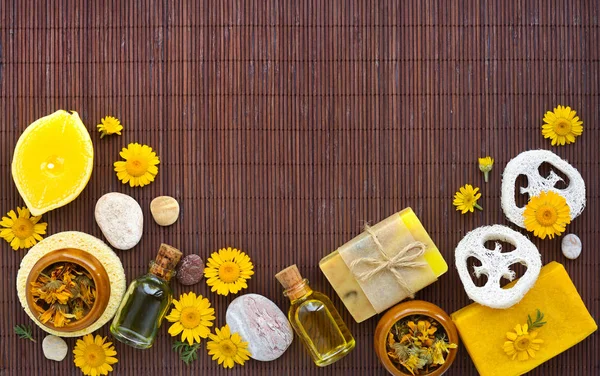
(528, 163)
(496, 265)
(78, 240)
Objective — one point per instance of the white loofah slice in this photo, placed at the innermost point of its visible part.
(527, 163)
(496, 265)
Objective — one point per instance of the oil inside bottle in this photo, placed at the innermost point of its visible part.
(322, 329)
(315, 320)
(142, 310)
(146, 302)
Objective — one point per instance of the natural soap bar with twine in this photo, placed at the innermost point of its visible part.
(385, 264)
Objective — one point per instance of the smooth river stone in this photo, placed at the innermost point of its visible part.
(191, 270)
(571, 246)
(54, 348)
(260, 323)
(121, 220)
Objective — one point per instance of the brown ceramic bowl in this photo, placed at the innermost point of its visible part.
(413, 307)
(88, 262)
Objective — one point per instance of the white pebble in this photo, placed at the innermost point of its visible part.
(55, 348)
(121, 220)
(571, 246)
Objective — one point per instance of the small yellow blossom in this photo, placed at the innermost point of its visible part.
(110, 125)
(485, 165)
(466, 199)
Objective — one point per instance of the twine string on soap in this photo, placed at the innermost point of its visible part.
(402, 259)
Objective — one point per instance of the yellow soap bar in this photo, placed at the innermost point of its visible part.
(343, 282)
(483, 329)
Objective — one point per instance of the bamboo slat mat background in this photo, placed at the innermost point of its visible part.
(283, 125)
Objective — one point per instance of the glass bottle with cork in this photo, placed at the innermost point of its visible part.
(146, 301)
(315, 320)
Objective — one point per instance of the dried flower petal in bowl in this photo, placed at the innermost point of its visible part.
(63, 292)
(67, 290)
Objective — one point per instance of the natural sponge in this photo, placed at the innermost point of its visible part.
(496, 265)
(528, 163)
(78, 240)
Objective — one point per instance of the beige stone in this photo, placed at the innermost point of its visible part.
(55, 348)
(165, 210)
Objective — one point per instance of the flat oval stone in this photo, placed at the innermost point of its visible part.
(191, 270)
(260, 323)
(121, 220)
(165, 210)
(571, 246)
(54, 348)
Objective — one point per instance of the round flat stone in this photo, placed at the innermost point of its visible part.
(121, 220)
(165, 210)
(54, 348)
(191, 270)
(571, 246)
(260, 323)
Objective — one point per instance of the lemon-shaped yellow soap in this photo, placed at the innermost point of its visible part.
(53, 161)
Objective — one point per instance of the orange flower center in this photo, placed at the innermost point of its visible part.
(94, 355)
(190, 317)
(136, 166)
(22, 228)
(229, 272)
(228, 348)
(562, 127)
(522, 343)
(546, 215)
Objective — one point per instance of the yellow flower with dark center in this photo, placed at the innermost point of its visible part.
(110, 125)
(547, 215)
(22, 230)
(485, 165)
(561, 125)
(191, 316)
(94, 356)
(466, 199)
(228, 270)
(522, 343)
(139, 167)
(227, 348)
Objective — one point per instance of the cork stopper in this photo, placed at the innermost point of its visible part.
(289, 277)
(166, 261)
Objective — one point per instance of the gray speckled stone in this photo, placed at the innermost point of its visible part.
(260, 323)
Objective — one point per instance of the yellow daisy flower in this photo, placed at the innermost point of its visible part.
(227, 271)
(466, 199)
(110, 125)
(561, 125)
(94, 356)
(191, 316)
(547, 214)
(227, 348)
(521, 343)
(139, 167)
(485, 165)
(22, 230)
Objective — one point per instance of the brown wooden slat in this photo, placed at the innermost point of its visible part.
(282, 126)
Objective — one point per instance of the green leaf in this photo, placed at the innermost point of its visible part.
(24, 332)
(538, 323)
(186, 352)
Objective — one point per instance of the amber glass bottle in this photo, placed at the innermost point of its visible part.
(315, 319)
(146, 302)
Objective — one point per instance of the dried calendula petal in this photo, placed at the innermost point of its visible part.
(165, 210)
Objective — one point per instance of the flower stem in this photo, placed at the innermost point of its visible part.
(485, 176)
(476, 205)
